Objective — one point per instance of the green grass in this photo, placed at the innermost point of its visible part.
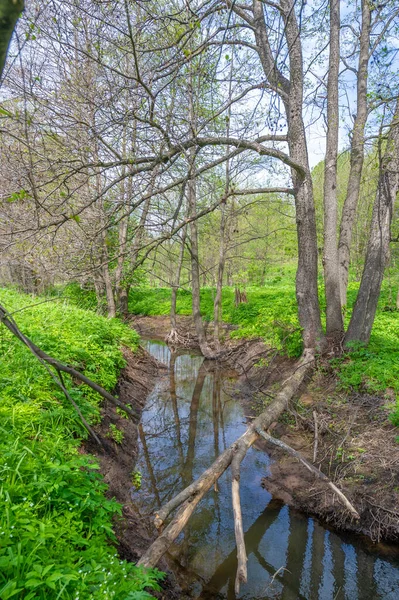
(374, 368)
(56, 536)
(271, 313)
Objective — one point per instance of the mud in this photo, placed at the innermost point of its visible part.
(117, 461)
(356, 449)
(356, 443)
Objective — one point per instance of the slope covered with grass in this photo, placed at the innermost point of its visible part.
(271, 313)
(55, 521)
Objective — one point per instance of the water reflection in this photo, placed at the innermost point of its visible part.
(188, 420)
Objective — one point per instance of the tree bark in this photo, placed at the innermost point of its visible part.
(9, 14)
(195, 274)
(334, 321)
(291, 93)
(219, 284)
(356, 155)
(194, 251)
(172, 337)
(378, 245)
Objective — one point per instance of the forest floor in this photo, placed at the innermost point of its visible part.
(356, 443)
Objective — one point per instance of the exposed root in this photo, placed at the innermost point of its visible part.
(178, 339)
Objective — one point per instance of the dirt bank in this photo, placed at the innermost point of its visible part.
(356, 444)
(356, 447)
(117, 461)
(158, 327)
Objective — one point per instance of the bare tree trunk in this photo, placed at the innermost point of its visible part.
(175, 286)
(222, 246)
(378, 245)
(219, 285)
(335, 325)
(10, 11)
(109, 292)
(195, 275)
(99, 288)
(356, 155)
(122, 246)
(121, 293)
(291, 92)
(192, 213)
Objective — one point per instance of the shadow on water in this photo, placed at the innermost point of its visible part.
(188, 420)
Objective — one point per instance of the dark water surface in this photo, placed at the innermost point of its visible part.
(188, 420)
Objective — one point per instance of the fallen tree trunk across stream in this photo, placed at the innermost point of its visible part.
(187, 500)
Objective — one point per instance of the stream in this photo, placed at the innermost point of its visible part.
(190, 418)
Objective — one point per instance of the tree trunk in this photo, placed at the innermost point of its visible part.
(335, 325)
(219, 285)
(378, 245)
(175, 286)
(195, 274)
(291, 92)
(10, 11)
(356, 155)
(109, 292)
(192, 212)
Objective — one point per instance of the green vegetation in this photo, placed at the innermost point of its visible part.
(272, 315)
(115, 433)
(56, 523)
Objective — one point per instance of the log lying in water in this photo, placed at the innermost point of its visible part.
(187, 500)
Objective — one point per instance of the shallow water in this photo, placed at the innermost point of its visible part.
(188, 420)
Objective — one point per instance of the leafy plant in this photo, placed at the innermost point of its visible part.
(136, 479)
(116, 434)
(56, 534)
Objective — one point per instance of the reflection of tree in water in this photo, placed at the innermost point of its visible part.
(226, 571)
(317, 566)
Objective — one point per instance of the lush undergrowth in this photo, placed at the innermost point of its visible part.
(56, 523)
(271, 313)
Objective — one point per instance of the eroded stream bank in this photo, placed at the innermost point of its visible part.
(188, 419)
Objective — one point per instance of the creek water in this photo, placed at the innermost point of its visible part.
(188, 420)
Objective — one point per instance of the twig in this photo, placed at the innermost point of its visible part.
(311, 468)
(316, 436)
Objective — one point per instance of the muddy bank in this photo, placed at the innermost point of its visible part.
(118, 459)
(349, 437)
(260, 373)
(356, 444)
(158, 327)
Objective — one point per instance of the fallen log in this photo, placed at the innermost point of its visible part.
(188, 499)
(319, 474)
(191, 495)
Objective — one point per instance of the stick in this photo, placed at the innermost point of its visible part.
(241, 576)
(316, 435)
(312, 469)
